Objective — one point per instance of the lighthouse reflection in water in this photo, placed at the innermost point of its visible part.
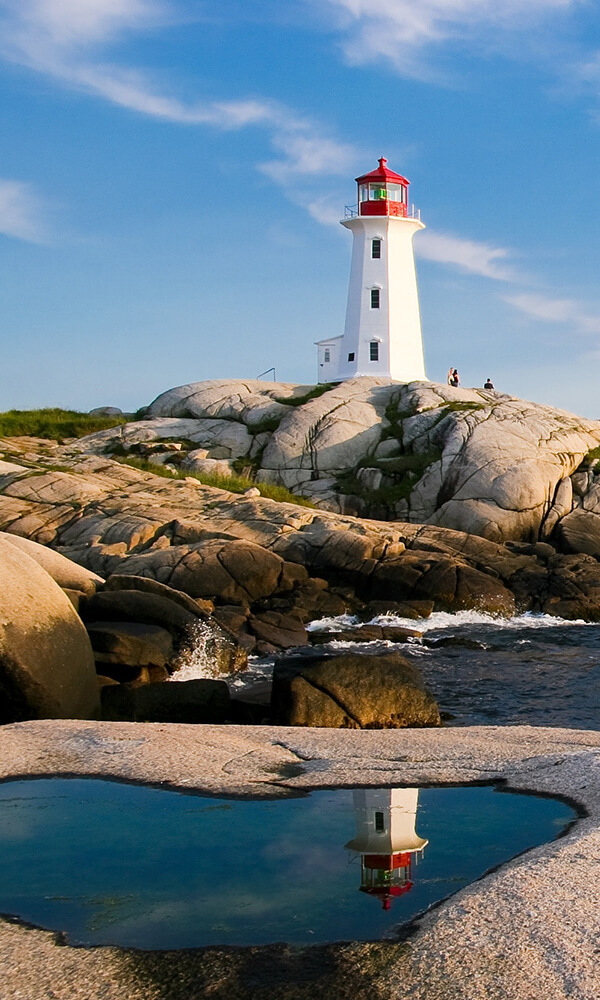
(386, 840)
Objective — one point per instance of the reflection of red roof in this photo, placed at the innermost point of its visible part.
(387, 892)
(382, 174)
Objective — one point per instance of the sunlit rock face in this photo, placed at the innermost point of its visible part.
(46, 659)
(458, 494)
(470, 459)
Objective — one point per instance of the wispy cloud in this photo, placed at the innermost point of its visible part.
(487, 261)
(401, 31)
(67, 39)
(552, 310)
(465, 254)
(21, 214)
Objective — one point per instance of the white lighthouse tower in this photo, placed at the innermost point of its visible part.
(382, 335)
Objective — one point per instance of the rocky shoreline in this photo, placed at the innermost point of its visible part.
(111, 576)
(152, 566)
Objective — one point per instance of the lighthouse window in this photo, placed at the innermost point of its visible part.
(376, 249)
(374, 351)
(374, 298)
(351, 356)
(327, 355)
(377, 192)
(379, 821)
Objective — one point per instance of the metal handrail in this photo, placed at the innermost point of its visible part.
(351, 212)
(268, 372)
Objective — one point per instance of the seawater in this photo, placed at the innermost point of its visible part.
(110, 863)
(485, 670)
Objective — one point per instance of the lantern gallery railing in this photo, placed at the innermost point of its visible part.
(351, 212)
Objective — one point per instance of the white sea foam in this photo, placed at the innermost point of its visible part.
(446, 620)
(197, 659)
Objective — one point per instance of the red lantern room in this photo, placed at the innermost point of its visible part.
(382, 192)
(386, 876)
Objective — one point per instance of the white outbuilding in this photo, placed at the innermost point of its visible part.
(382, 335)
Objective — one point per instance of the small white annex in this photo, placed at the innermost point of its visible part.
(382, 335)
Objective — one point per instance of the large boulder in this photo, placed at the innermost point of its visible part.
(233, 570)
(46, 660)
(232, 439)
(329, 433)
(66, 573)
(351, 691)
(191, 631)
(130, 643)
(250, 401)
(195, 701)
(138, 606)
(277, 629)
(145, 584)
(106, 411)
(579, 531)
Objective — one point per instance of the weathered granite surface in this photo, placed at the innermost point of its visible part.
(111, 518)
(46, 659)
(528, 931)
(473, 460)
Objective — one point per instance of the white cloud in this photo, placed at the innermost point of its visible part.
(400, 30)
(41, 25)
(467, 255)
(20, 212)
(325, 210)
(564, 311)
(65, 38)
(307, 152)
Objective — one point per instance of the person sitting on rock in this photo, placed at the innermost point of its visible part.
(454, 381)
(488, 384)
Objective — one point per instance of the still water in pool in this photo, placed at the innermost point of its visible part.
(109, 863)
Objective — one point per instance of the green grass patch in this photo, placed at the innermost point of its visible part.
(314, 393)
(404, 470)
(234, 484)
(458, 406)
(400, 464)
(54, 423)
(383, 496)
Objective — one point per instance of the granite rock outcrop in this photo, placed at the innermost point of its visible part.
(473, 460)
(254, 554)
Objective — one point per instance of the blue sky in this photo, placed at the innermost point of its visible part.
(174, 172)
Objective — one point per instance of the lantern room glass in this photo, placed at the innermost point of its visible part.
(382, 191)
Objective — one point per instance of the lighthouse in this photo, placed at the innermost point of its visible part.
(382, 335)
(386, 840)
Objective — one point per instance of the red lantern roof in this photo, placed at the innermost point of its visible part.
(382, 174)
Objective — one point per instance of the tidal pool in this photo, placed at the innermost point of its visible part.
(141, 867)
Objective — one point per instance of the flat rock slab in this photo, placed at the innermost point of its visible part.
(528, 931)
